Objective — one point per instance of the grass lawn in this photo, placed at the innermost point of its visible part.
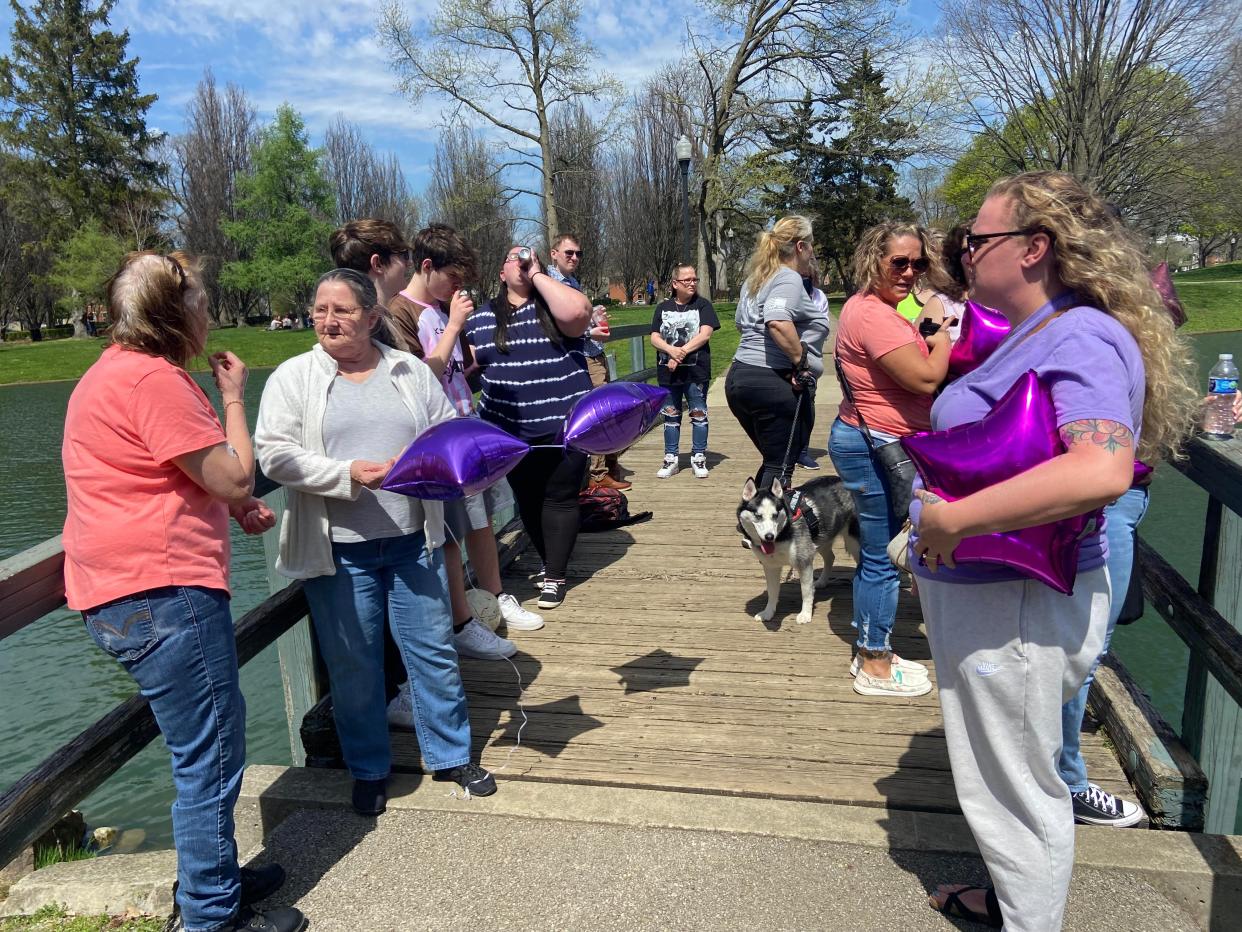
(52, 919)
(52, 360)
(1212, 297)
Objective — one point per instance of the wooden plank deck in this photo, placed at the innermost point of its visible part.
(654, 673)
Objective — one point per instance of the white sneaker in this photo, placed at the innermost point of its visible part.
(475, 640)
(899, 684)
(516, 617)
(672, 465)
(698, 463)
(912, 668)
(401, 709)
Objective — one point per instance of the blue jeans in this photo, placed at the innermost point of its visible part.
(875, 579)
(694, 394)
(392, 579)
(177, 643)
(1122, 517)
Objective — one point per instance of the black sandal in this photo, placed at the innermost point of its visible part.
(954, 908)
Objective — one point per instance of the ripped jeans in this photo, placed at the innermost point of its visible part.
(695, 394)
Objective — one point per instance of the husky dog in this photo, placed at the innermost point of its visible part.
(789, 528)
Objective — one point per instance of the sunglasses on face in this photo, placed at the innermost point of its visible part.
(975, 240)
(572, 253)
(901, 263)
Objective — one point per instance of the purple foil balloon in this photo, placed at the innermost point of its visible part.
(982, 331)
(454, 459)
(610, 418)
(1018, 433)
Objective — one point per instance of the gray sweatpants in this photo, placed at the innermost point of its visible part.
(1008, 655)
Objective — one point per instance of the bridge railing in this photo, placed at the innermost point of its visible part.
(32, 586)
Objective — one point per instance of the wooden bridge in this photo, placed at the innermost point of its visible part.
(654, 672)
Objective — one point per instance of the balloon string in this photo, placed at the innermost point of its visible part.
(517, 742)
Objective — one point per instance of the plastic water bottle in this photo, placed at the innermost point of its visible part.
(1222, 385)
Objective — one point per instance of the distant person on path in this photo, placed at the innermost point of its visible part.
(681, 331)
(779, 357)
(331, 424)
(1010, 650)
(651, 290)
(566, 256)
(152, 479)
(528, 341)
(892, 372)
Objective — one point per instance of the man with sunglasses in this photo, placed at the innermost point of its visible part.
(566, 256)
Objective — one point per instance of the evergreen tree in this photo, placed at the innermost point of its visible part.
(283, 211)
(71, 112)
(854, 182)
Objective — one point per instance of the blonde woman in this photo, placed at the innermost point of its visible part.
(152, 477)
(891, 371)
(780, 354)
(1009, 651)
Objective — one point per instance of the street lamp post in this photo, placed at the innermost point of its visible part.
(684, 151)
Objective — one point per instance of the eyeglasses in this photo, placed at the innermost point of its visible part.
(901, 263)
(686, 281)
(341, 313)
(975, 240)
(572, 253)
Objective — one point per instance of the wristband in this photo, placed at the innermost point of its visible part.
(234, 402)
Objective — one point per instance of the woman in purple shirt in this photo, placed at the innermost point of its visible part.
(1009, 650)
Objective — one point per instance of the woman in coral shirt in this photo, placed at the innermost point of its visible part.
(892, 372)
(151, 479)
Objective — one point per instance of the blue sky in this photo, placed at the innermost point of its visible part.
(322, 57)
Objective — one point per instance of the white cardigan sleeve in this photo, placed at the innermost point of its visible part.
(279, 439)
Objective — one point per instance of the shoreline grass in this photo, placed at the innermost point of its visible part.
(1212, 298)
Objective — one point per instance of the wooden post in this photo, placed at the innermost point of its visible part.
(299, 661)
(638, 354)
(1196, 670)
(1220, 750)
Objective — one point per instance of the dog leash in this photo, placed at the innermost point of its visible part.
(787, 466)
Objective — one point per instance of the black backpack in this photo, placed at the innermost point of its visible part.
(604, 509)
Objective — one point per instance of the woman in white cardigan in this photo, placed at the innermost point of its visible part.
(331, 424)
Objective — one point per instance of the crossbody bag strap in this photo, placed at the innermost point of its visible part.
(849, 396)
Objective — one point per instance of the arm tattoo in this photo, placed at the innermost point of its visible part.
(931, 498)
(1111, 435)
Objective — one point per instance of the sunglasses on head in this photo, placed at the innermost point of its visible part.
(901, 263)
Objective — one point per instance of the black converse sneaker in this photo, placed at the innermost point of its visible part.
(552, 594)
(1093, 806)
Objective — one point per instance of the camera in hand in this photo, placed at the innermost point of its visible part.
(928, 327)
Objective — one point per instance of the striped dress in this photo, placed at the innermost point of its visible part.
(529, 390)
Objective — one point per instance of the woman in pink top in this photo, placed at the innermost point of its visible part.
(151, 479)
(891, 373)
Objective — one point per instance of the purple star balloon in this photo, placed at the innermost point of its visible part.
(610, 418)
(1018, 433)
(982, 331)
(454, 459)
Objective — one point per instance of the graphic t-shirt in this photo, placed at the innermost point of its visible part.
(677, 325)
(431, 323)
